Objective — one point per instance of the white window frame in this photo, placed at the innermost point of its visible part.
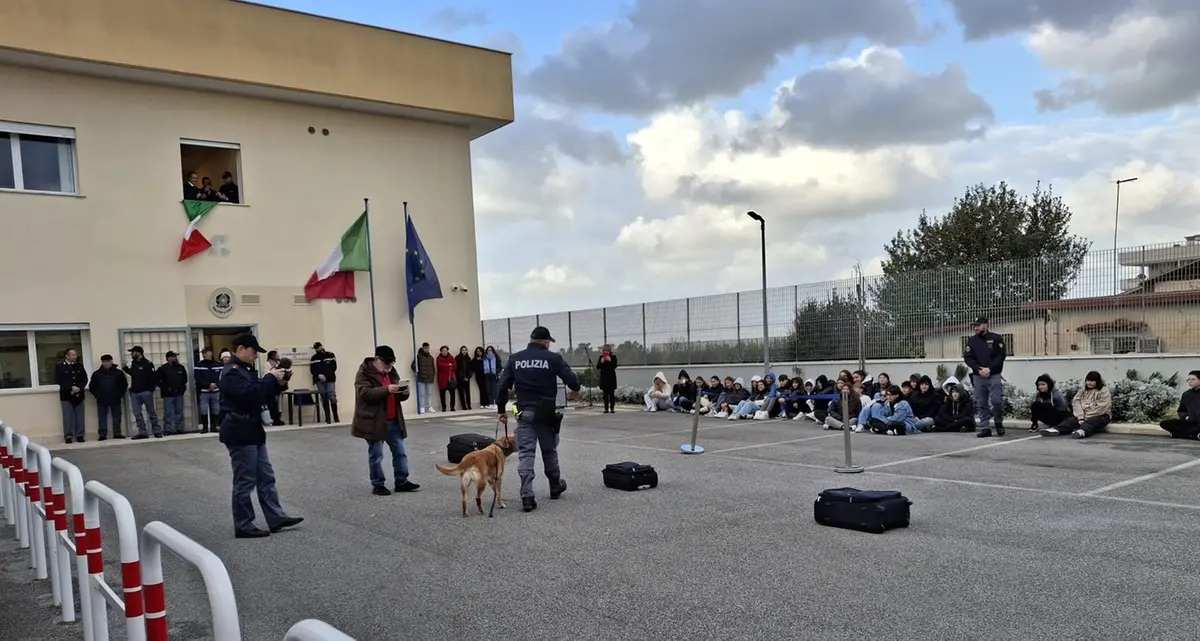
(35, 385)
(217, 144)
(15, 130)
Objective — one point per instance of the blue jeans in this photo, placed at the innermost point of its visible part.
(989, 399)
(252, 472)
(210, 403)
(144, 399)
(173, 414)
(424, 397)
(103, 412)
(72, 420)
(399, 457)
(924, 424)
(328, 390)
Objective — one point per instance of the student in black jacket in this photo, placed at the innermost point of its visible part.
(1049, 406)
(606, 365)
(173, 384)
(462, 374)
(1187, 425)
(957, 413)
(480, 376)
(926, 401)
(72, 380)
(108, 386)
(683, 393)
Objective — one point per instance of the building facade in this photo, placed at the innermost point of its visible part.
(107, 107)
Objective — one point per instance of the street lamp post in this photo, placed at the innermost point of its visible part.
(762, 228)
(1116, 221)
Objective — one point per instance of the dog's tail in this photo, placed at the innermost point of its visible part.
(451, 470)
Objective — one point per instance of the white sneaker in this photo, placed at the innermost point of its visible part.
(1078, 434)
(733, 417)
(797, 417)
(859, 429)
(1049, 431)
(654, 409)
(721, 415)
(891, 432)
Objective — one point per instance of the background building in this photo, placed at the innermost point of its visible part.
(107, 105)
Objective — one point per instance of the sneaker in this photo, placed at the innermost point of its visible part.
(1033, 429)
(1078, 434)
(983, 433)
(797, 417)
(653, 409)
(407, 486)
(732, 417)
(380, 490)
(859, 429)
(721, 415)
(891, 432)
(1049, 431)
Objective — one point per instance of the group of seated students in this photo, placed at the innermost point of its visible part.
(914, 406)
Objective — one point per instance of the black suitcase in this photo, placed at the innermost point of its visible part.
(463, 444)
(629, 476)
(865, 511)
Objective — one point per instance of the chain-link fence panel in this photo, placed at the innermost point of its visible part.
(587, 336)
(667, 332)
(495, 334)
(713, 329)
(627, 334)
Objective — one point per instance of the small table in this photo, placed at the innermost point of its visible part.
(298, 398)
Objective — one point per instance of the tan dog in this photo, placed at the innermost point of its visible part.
(483, 467)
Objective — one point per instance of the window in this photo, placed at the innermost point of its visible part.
(37, 158)
(1009, 346)
(210, 162)
(28, 356)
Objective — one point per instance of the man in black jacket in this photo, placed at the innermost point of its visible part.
(985, 354)
(108, 386)
(143, 380)
(207, 374)
(72, 379)
(172, 384)
(323, 367)
(1187, 425)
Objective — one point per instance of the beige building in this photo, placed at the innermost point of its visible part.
(107, 104)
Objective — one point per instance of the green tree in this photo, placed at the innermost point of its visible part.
(993, 251)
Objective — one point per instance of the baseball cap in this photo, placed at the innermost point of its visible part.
(248, 340)
(385, 354)
(170, 355)
(136, 349)
(317, 345)
(540, 334)
(982, 320)
(106, 358)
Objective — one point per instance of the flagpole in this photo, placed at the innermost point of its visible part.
(412, 322)
(371, 271)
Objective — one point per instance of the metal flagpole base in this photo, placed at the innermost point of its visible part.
(692, 448)
(848, 469)
(688, 448)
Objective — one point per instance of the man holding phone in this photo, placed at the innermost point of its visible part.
(379, 418)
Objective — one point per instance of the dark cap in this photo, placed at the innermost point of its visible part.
(248, 340)
(982, 320)
(317, 345)
(171, 355)
(540, 334)
(106, 357)
(136, 349)
(385, 354)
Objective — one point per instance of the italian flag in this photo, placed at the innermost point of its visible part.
(193, 241)
(335, 277)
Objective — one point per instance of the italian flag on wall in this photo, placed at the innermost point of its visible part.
(193, 241)
(335, 277)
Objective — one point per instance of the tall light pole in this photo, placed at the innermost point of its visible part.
(1116, 221)
(762, 228)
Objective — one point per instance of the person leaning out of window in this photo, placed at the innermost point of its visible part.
(1091, 410)
(72, 380)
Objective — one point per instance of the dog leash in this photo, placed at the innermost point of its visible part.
(496, 432)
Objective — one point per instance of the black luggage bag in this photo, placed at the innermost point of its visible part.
(463, 444)
(864, 511)
(629, 476)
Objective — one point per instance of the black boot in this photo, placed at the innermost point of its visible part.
(557, 487)
(999, 428)
(333, 407)
(204, 424)
(528, 504)
(325, 407)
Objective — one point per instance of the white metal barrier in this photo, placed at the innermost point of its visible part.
(314, 630)
(66, 482)
(41, 526)
(7, 500)
(101, 594)
(221, 600)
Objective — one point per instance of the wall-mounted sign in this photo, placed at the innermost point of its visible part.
(299, 355)
(221, 302)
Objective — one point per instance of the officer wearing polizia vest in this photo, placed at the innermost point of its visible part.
(243, 395)
(534, 372)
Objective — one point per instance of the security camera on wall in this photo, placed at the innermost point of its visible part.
(454, 288)
(464, 288)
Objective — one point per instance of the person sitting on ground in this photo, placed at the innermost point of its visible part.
(957, 413)
(1091, 410)
(658, 397)
(835, 420)
(701, 387)
(758, 399)
(882, 382)
(906, 388)
(710, 396)
(860, 390)
(861, 377)
(946, 386)
(735, 393)
(770, 407)
(683, 393)
(820, 407)
(925, 402)
(1188, 424)
(1049, 406)
(794, 406)
(899, 420)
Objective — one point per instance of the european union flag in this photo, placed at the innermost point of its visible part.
(422, 280)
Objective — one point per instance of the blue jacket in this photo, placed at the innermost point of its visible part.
(902, 414)
(489, 364)
(534, 372)
(243, 395)
(986, 350)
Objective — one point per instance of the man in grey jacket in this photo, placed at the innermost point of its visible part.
(1049, 406)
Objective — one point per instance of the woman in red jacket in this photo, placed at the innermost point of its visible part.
(446, 367)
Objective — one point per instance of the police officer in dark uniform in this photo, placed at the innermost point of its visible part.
(534, 372)
(985, 354)
(243, 395)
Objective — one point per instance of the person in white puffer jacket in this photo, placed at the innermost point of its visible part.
(658, 397)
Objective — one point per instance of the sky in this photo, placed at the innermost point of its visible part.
(645, 129)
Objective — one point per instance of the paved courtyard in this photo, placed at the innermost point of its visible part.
(1013, 538)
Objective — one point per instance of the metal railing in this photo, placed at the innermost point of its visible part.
(1138, 300)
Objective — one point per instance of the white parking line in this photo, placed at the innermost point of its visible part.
(962, 451)
(1145, 477)
(795, 440)
(679, 431)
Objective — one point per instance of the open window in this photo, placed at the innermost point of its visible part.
(37, 158)
(211, 171)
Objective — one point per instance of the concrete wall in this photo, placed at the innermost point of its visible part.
(1021, 372)
(105, 258)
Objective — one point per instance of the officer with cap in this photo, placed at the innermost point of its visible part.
(534, 372)
(243, 395)
(985, 354)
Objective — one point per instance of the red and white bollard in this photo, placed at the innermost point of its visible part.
(127, 540)
(40, 512)
(63, 477)
(314, 630)
(221, 600)
(6, 500)
(20, 496)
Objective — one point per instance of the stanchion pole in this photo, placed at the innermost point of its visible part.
(849, 467)
(692, 448)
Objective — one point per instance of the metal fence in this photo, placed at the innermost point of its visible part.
(1136, 300)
